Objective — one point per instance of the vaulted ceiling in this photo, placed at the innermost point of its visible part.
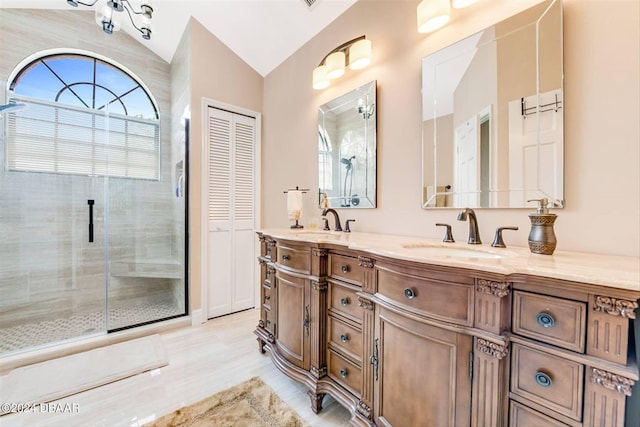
(262, 32)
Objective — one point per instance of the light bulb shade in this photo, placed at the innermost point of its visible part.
(360, 54)
(459, 4)
(433, 14)
(320, 79)
(107, 18)
(335, 65)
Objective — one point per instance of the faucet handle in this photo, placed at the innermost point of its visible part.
(325, 222)
(497, 240)
(448, 236)
(346, 225)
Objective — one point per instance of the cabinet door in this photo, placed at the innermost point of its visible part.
(422, 373)
(293, 318)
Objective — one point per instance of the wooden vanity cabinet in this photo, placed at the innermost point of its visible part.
(571, 359)
(401, 343)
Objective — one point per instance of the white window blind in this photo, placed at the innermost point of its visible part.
(56, 138)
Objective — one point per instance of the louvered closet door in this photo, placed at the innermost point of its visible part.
(231, 188)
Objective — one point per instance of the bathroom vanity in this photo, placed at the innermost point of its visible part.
(408, 331)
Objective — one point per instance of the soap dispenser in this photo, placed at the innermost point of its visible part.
(542, 238)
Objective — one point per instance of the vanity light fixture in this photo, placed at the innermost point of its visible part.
(356, 52)
(108, 14)
(459, 4)
(432, 15)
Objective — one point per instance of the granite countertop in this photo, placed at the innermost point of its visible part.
(621, 272)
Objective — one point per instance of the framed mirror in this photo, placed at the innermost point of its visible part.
(493, 111)
(347, 150)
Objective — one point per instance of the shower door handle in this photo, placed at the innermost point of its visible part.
(90, 203)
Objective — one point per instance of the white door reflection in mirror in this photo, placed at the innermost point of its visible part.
(535, 148)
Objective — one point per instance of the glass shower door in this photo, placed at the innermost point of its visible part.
(51, 273)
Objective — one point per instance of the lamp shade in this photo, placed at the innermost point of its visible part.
(433, 14)
(459, 4)
(360, 54)
(335, 65)
(320, 79)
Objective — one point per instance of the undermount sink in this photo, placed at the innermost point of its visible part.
(314, 234)
(429, 249)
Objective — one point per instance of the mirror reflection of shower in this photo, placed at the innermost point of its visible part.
(348, 198)
(366, 111)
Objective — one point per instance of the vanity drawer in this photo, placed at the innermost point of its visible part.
(551, 320)
(551, 381)
(345, 268)
(449, 301)
(269, 320)
(344, 338)
(294, 258)
(266, 297)
(523, 416)
(343, 301)
(345, 372)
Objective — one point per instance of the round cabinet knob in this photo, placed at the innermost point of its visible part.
(343, 373)
(543, 379)
(267, 297)
(344, 302)
(285, 257)
(545, 320)
(409, 293)
(345, 269)
(344, 338)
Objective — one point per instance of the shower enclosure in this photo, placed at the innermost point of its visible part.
(86, 254)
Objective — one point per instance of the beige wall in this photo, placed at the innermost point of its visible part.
(602, 182)
(218, 74)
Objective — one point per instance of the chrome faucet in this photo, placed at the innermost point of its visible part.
(338, 227)
(474, 234)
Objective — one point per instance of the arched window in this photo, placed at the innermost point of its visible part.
(85, 115)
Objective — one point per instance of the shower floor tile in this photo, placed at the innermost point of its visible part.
(50, 331)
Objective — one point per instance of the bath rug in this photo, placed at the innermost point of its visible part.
(251, 403)
(57, 378)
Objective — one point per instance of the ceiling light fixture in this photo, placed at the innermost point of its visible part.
(432, 15)
(356, 52)
(108, 14)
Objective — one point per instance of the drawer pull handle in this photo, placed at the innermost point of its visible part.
(344, 337)
(345, 269)
(285, 258)
(344, 302)
(545, 320)
(267, 297)
(343, 373)
(409, 293)
(543, 380)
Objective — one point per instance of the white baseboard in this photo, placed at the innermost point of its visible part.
(197, 318)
